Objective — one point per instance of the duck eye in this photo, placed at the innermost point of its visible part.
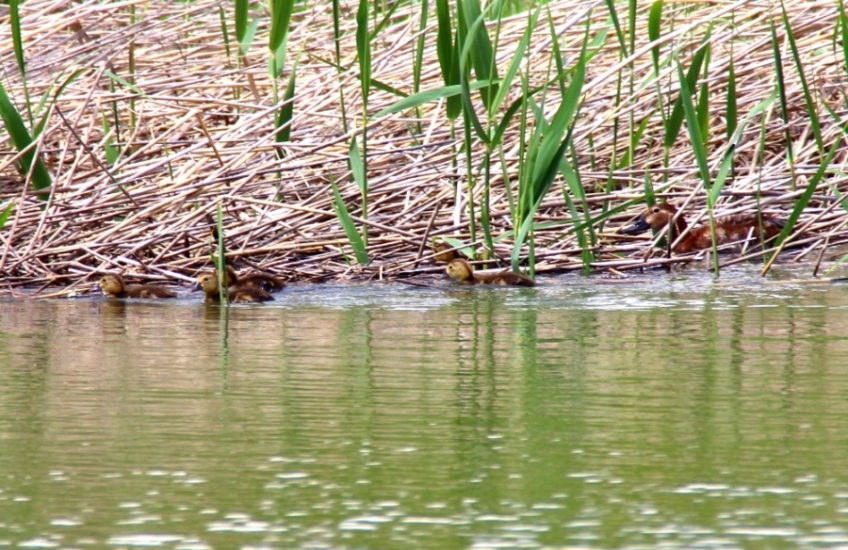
(655, 210)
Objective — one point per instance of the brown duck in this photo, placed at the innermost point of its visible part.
(460, 270)
(728, 229)
(113, 286)
(268, 283)
(208, 282)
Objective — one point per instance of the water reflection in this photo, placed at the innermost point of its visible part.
(669, 414)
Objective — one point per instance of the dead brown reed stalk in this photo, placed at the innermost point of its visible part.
(204, 132)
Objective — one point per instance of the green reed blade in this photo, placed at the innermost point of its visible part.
(467, 101)
(427, 96)
(241, 20)
(356, 165)
(804, 199)
(842, 23)
(694, 127)
(420, 44)
(281, 11)
(654, 22)
(22, 140)
(617, 25)
(4, 216)
(727, 159)
(284, 115)
(221, 260)
(515, 64)
(18, 45)
(675, 121)
(479, 46)
(363, 48)
(778, 68)
(808, 96)
(353, 236)
(731, 112)
(703, 112)
(222, 16)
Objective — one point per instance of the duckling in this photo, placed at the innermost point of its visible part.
(208, 282)
(460, 270)
(442, 252)
(728, 229)
(113, 286)
(268, 283)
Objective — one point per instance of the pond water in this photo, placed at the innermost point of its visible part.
(666, 413)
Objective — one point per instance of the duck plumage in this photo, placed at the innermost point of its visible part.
(208, 282)
(461, 270)
(268, 283)
(113, 286)
(728, 229)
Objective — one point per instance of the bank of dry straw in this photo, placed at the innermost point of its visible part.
(203, 133)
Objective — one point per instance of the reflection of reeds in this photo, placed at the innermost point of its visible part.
(200, 124)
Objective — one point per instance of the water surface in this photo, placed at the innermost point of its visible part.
(666, 413)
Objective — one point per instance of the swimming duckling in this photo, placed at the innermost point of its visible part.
(113, 286)
(208, 282)
(728, 229)
(460, 270)
(268, 283)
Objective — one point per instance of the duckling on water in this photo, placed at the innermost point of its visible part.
(208, 282)
(462, 271)
(728, 229)
(266, 282)
(113, 286)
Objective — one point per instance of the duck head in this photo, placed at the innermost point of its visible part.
(654, 217)
(110, 284)
(460, 270)
(207, 282)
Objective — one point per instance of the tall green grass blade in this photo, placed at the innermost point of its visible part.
(544, 153)
(727, 159)
(241, 20)
(22, 140)
(112, 152)
(731, 111)
(337, 49)
(363, 48)
(467, 101)
(281, 12)
(18, 45)
(420, 44)
(221, 260)
(356, 165)
(617, 25)
(842, 23)
(704, 101)
(480, 45)
(694, 127)
(4, 216)
(353, 236)
(225, 34)
(284, 115)
(675, 120)
(808, 97)
(515, 64)
(804, 199)
(654, 22)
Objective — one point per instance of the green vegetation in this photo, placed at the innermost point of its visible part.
(386, 113)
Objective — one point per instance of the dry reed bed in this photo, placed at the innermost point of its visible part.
(203, 134)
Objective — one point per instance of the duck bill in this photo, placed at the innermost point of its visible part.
(638, 227)
(96, 289)
(195, 287)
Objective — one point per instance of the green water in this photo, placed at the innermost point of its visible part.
(658, 415)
